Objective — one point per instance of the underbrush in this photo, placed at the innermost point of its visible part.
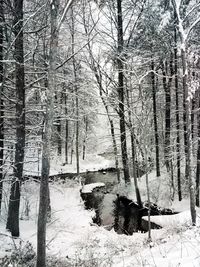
(23, 256)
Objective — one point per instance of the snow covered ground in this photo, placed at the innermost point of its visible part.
(93, 162)
(72, 237)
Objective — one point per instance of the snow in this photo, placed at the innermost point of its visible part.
(73, 237)
(182, 218)
(93, 162)
(90, 187)
(165, 20)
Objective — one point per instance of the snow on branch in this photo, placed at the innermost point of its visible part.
(190, 12)
(176, 6)
(183, 34)
(192, 27)
(67, 6)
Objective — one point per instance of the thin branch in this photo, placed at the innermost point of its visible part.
(189, 13)
(75, 53)
(67, 6)
(192, 27)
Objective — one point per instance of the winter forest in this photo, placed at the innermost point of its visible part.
(99, 133)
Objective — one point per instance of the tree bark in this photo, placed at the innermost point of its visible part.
(198, 154)
(76, 91)
(188, 135)
(121, 92)
(49, 116)
(85, 137)
(133, 151)
(66, 131)
(59, 136)
(155, 120)
(59, 98)
(192, 117)
(72, 143)
(1, 101)
(14, 202)
(185, 127)
(167, 89)
(178, 155)
(187, 97)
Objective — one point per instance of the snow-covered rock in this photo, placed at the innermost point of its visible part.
(88, 188)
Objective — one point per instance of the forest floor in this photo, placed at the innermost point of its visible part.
(73, 239)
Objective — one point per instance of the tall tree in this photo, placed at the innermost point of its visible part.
(133, 147)
(66, 130)
(167, 88)
(153, 82)
(198, 154)
(178, 155)
(85, 137)
(120, 50)
(188, 95)
(75, 89)
(48, 121)
(14, 202)
(1, 100)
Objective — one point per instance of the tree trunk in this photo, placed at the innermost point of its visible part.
(178, 155)
(76, 92)
(112, 129)
(148, 194)
(14, 203)
(192, 117)
(167, 89)
(193, 108)
(188, 135)
(198, 155)
(121, 92)
(85, 137)
(44, 190)
(1, 103)
(59, 136)
(66, 131)
(133, 151)
(155, 120)
(72, 144)
(77, 132)
(185, 127)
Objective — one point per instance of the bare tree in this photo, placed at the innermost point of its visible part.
(75, 88)
(153, 82)
(184, 35)
(13, 211)
(120, 88)
(48, 124)
(198, 154)
(167, 88)
(1, 100)
(178, 155)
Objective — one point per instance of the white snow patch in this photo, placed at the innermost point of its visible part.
(90, 187)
